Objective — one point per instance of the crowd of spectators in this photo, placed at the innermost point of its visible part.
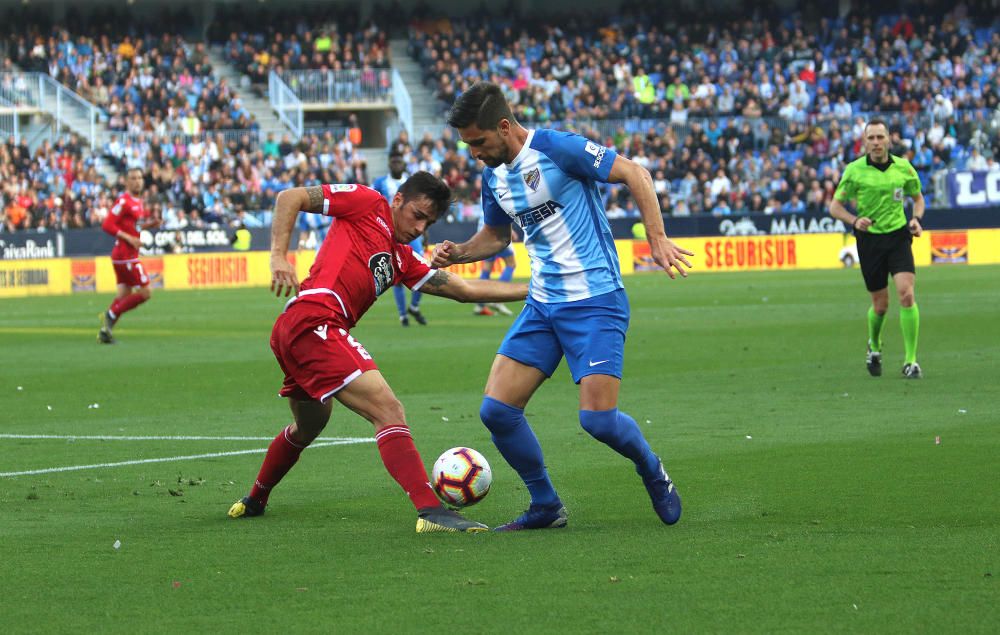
(763, 114)
(755, 114)
(55, 188)
(320, 38)
(144, 79)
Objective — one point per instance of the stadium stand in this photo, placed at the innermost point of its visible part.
(756, 114)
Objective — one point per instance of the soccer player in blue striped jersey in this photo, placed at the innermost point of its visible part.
(387, 186)
(546, 182)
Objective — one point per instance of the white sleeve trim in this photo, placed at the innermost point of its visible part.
(419, 284)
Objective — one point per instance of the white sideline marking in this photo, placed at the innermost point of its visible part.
(101, 437)
(72, 468)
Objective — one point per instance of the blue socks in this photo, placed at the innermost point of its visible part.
(518, 444)
(399, 294)
(507, 274)
(621, 433)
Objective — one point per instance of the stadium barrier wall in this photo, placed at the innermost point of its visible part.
(212, 270)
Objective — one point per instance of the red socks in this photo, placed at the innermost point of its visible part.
(121, 305)
(403, 462)
(281, 456)
(395, 444)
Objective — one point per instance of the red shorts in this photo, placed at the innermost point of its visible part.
(317, 355)
(131, 273)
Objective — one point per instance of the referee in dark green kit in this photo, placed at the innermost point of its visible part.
(879, 183)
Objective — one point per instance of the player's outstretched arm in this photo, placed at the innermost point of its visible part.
(286, 210)
(664, 251)
(485, 243)
(448, 285)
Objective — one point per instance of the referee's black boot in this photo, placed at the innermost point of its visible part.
(873, 360)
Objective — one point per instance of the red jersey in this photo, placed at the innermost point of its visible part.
(123, 217)
(359, 259)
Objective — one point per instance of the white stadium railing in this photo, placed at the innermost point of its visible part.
(285, 103)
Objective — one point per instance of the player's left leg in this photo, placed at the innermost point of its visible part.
(414, 308)
(592, 333)
(909, 322)
(310, 417)
(371, 397)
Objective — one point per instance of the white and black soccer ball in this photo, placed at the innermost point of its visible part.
(461, 477)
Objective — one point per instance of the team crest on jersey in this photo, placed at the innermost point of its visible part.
(381, 267)
(897, 194)
(531, 179)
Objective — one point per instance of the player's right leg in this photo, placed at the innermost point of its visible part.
(107, 317)
(485, 271)
(371, 397)
(130, 276)
(505, 276)
(875, 271)
(399, 295)
(528, 355)
(876, 318)
(310, 417)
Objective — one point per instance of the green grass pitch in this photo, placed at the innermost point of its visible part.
(816, 498)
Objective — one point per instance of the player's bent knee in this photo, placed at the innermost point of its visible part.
(600, 424)
(497, 416)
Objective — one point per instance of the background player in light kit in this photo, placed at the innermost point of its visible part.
(387, 186)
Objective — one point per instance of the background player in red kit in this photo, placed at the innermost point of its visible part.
(133, 283)
(364, 254)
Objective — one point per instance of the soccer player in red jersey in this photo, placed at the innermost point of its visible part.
(122, 222)
(364, 254)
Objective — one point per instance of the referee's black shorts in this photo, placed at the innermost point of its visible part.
(882, 255)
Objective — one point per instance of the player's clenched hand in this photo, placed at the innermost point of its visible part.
(915, 227)
(283, 276)
(670, 257)
(442, 254)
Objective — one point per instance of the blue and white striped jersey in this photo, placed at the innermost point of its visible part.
(550, 190)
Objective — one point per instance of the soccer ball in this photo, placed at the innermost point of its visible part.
(461, 477)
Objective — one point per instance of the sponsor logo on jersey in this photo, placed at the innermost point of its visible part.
(597, 152)
(343, 187)
(537, 214)
(382, 271)
(531, 179)
(321, 331)
(384, 225)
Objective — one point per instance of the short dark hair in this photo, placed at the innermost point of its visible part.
(135, 169)
(426, 184)
(483, 105)
(877, 122)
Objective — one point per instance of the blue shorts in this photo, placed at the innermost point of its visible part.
(589, 333)
(506, 252)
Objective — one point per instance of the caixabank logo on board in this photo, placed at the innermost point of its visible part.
(950, 247)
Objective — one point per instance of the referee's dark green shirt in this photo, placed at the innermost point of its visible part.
(879, 193)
